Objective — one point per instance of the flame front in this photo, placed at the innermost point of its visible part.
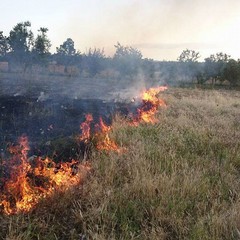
(101, 135)
(145, 113)
(150, 105)
(30, 182)
(85, 127)
(103, 140)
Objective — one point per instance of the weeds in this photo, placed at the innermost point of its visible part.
(178, 179)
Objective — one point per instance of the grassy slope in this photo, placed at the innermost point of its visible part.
(178, 179)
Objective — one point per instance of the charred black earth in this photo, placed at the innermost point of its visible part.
(49, 110)
(51, 124)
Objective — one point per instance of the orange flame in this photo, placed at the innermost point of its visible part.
(28, 184)
(85, 127)
(146, 113)
(103, 140)
(150, 105)
(101, 135)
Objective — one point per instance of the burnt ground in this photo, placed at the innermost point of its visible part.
(50, 112)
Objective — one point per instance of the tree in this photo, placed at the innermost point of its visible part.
(4, 45)
(127, 59)
(67, 54)
(42, 43)
(214, 66)
(190, 67)
(231, 72)
(127, 52)
(93, 61)
(189, 56)
(41, 46)
(67, 48)
(21, 41)
(220, 57)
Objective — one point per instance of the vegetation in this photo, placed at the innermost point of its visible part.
(42, 45)
(178, 179)
(23, 51)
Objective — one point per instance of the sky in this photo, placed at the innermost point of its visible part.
(160, 29)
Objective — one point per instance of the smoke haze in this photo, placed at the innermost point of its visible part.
(161, 29)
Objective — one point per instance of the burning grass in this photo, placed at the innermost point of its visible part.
(178, 179)
(31, 180)
(28, 182)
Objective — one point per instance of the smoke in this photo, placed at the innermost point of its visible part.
(140, 23)
(50, 109)
(157, 28)
(168, 26)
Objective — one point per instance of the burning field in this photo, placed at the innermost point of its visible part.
(163, 164)
(28, 178)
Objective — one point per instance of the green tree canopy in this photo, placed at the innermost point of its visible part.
(21, 38)
(214, 66)
(189, 67)
(127, 52)
(127, 59)
(67, 54)
(94, 60)
(67, 48)
(4, 45)
(42, 44)
(231, 72)
(189, 56)
(218, 57)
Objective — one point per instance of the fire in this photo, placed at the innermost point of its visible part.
(103, 140)
(145, 113)
(101, 135)
(150, 106)
(85, 127)
(29, 182)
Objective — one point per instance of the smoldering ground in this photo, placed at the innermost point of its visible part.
(50, 110)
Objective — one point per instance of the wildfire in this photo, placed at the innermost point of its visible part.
(31, 181)
(150, 105)
(28, 181)
(85, 127)
(145, 113)
(101, 135)
(103, 140)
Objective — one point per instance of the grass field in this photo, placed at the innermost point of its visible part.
(177, 179)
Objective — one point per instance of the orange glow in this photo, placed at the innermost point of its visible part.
(150, 106)
(101, 135)
(85, 127)
(103, 140)
(145, 113)
(31, 181)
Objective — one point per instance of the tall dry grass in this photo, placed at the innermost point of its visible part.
(178, 179)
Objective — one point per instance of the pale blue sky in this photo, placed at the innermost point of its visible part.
(161, 29)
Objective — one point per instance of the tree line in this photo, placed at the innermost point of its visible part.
(24, 50)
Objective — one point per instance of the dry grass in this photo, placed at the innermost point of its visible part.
(179, 179)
